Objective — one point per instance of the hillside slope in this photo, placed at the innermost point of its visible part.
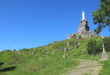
(51, 59)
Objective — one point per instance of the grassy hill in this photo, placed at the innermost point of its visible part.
(51, 59)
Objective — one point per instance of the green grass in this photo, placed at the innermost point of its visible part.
(90, 57)
(53, 65)
(106, 68)
(87, 74)
(46, 60)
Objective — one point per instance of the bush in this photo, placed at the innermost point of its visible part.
(107, 43)
(94, 46)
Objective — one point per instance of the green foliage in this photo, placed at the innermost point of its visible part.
(59, 44)
(102, 15)
(48, 65)
(106, 68)
(90, 57)
(107, 43)
(94, 46)
(47, 60)
(43, 62)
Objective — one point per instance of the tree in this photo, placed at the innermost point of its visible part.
(101, 16)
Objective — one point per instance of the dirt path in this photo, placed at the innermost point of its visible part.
(86, 67)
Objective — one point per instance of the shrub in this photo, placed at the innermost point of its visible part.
(107, 43)
(94, 46)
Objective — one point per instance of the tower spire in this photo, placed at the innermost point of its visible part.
(83, 15)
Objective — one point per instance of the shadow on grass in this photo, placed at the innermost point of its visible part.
(7, 68)
(1, 63)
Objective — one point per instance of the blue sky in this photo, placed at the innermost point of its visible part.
(32, 23)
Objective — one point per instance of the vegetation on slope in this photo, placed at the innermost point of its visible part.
(51, 59)
(106, 67)
(106, 64)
